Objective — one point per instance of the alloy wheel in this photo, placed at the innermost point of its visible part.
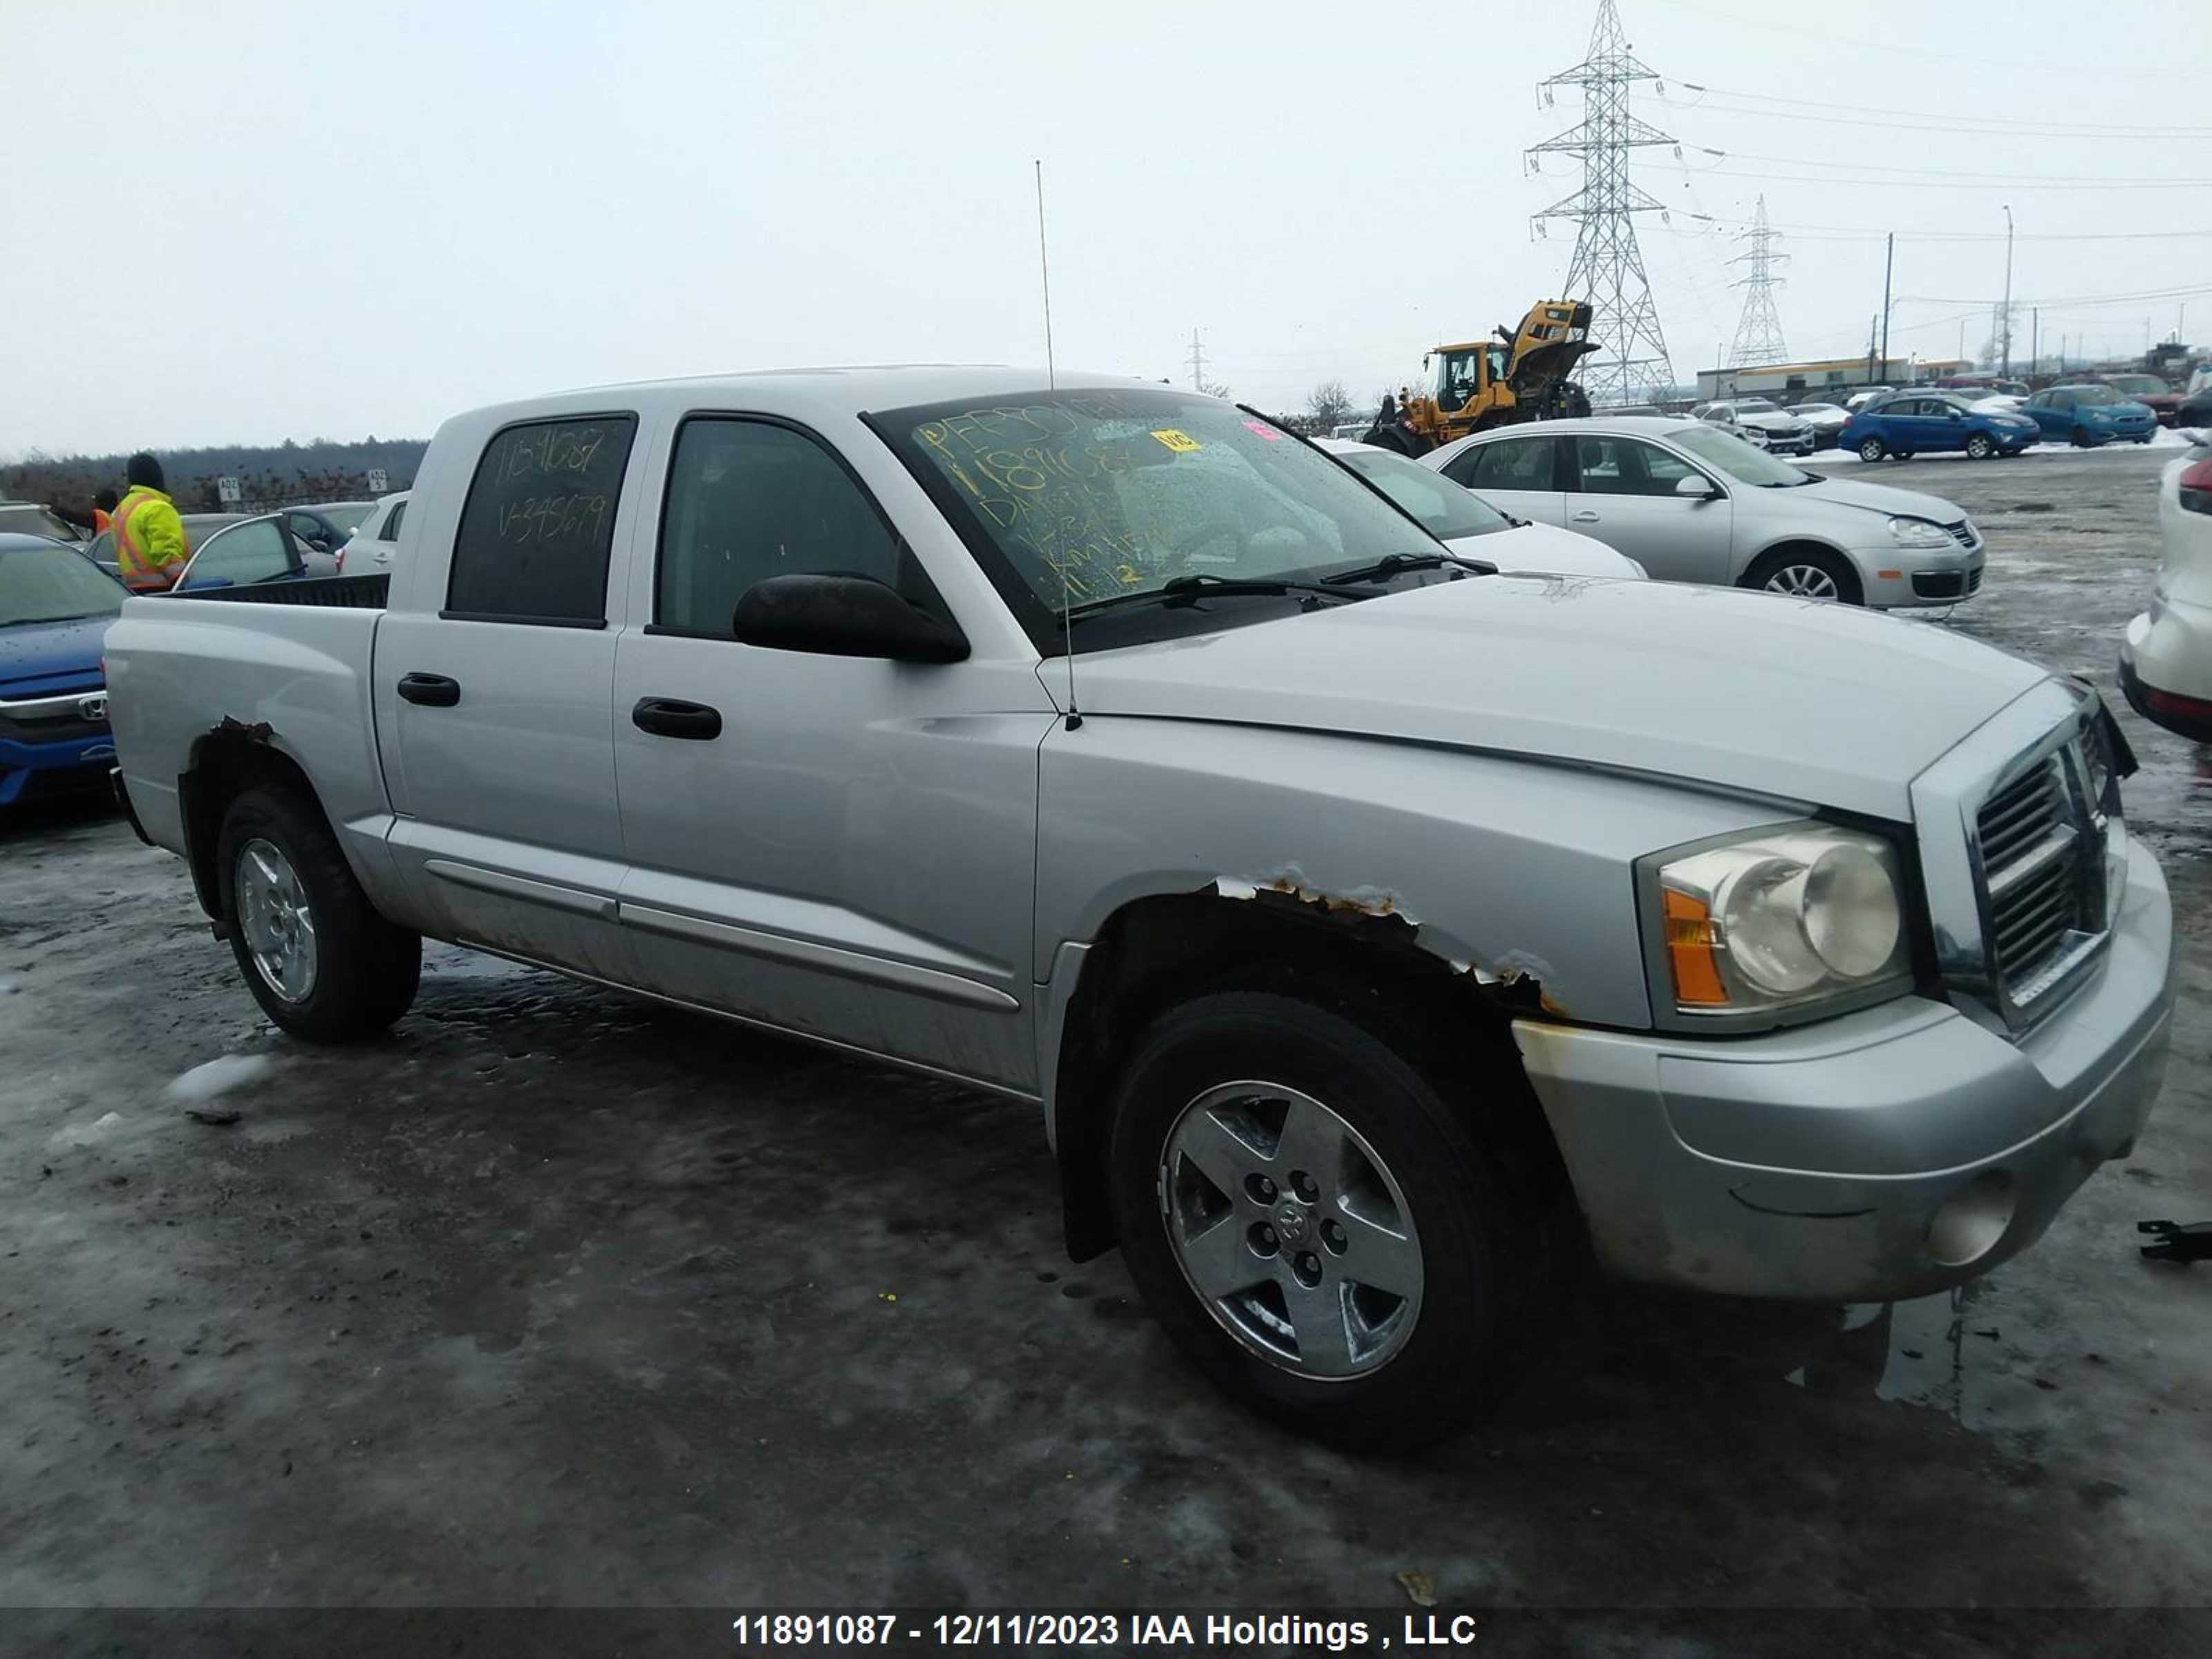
(1291, 1230)
(1804, 581)
(274, 920)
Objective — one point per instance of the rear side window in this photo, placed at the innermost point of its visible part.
(748, 500)
(1509, 463)
(535, 533)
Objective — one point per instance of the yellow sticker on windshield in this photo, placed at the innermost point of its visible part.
(1181, 442)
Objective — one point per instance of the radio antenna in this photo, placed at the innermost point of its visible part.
(1052, 382)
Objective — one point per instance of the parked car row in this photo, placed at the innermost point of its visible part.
(1903, 424)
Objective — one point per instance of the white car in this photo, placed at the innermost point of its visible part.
(1760, 420)
(2165, 660)
(1467, 524)
(367, 551)
(1865, 395)
(1826, 421)
(1690, 502)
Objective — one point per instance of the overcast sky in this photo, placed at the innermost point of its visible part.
(249, 221)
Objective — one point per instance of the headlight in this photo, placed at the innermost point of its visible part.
(1919, 532)
(1781, 918)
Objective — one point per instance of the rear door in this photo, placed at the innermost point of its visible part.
(844, 847)
(1517, 474)
(495, 675)
(1625, 496)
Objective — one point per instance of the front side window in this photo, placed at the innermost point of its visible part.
(1084, 498)
(748, 500)
(1445, 509)
(1509, 463)
(255, 551)
(1734, 457)
(2094, 397)
(539, 521)
(54, 584)
(390, 530)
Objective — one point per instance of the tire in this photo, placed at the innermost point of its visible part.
(1471, 1265)
(1872, 449)
(2080, 437)
(1391, 438)
(281, 877)
(1980, 448)
(1806, 573)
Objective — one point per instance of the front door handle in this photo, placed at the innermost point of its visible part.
(671, 717)
(1585, 518)
(431, 690)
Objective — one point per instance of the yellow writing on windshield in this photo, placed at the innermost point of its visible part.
(1181, 442)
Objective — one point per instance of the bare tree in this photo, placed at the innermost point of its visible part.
(1215, 389)
(1329, 404)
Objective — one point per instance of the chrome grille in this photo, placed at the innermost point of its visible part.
(2040, 869)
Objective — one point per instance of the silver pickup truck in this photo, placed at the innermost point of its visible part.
(1379, 935)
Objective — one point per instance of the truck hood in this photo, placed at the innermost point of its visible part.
(1821, 703)
(38, 658)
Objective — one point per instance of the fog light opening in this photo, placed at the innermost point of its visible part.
(1971, 1222)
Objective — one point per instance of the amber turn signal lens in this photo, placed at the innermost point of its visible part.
(1690, 951)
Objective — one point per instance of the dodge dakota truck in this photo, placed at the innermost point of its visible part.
(1380, 936)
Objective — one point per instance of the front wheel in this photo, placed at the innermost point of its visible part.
(1979, 447)
(1317, 1229)
(1872, 449)
(2082, 439)
(316, 955)
(1806, 573)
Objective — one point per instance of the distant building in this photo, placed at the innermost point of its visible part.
(1790, 380)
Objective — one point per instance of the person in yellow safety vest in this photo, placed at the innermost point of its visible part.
(150, 548)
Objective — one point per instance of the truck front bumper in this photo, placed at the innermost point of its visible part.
(1881, 1155)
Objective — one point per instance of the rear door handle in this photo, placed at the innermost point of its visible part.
(671, 717)
(1585, 518)
(431, 690)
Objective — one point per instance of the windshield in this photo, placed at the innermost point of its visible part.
(1758, 406)
(1728, 454)
(54, 584)
(348, 515)
(1076, 497)
(1445, 509)
(2095, 395)
(2137, 385)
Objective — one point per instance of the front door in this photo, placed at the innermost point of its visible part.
(842, 847)
(496, 694)
(1626, 495)
(1518, 475)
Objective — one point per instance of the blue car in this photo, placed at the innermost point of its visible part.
(1907, 423)
(55, 606)
(2091, 415)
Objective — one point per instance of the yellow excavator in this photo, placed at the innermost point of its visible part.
(1520, 375)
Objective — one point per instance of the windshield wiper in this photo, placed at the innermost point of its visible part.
(1188, 590)
(1396, 564)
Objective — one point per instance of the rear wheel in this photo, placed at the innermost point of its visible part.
(1980, 448)
(316, 955)
(1317, 1229)
(1806, 573)
(2080, 437)
(1872, 449)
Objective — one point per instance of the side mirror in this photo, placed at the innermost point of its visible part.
(1696, 484)
(843, 617)
(1954, 415)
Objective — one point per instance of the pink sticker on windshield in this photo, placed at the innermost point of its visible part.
(1264, 430)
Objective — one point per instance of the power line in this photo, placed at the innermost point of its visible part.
(1964, 173)
(2008, 181)
(1890, 50)
(1868, 233)
(1918, 121)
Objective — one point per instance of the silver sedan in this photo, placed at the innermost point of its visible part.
(1690, 503)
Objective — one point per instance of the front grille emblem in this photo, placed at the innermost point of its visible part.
(94, 707)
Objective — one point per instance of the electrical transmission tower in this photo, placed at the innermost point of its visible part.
(1607, 269)
(1759, 331)
(1197, 363)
